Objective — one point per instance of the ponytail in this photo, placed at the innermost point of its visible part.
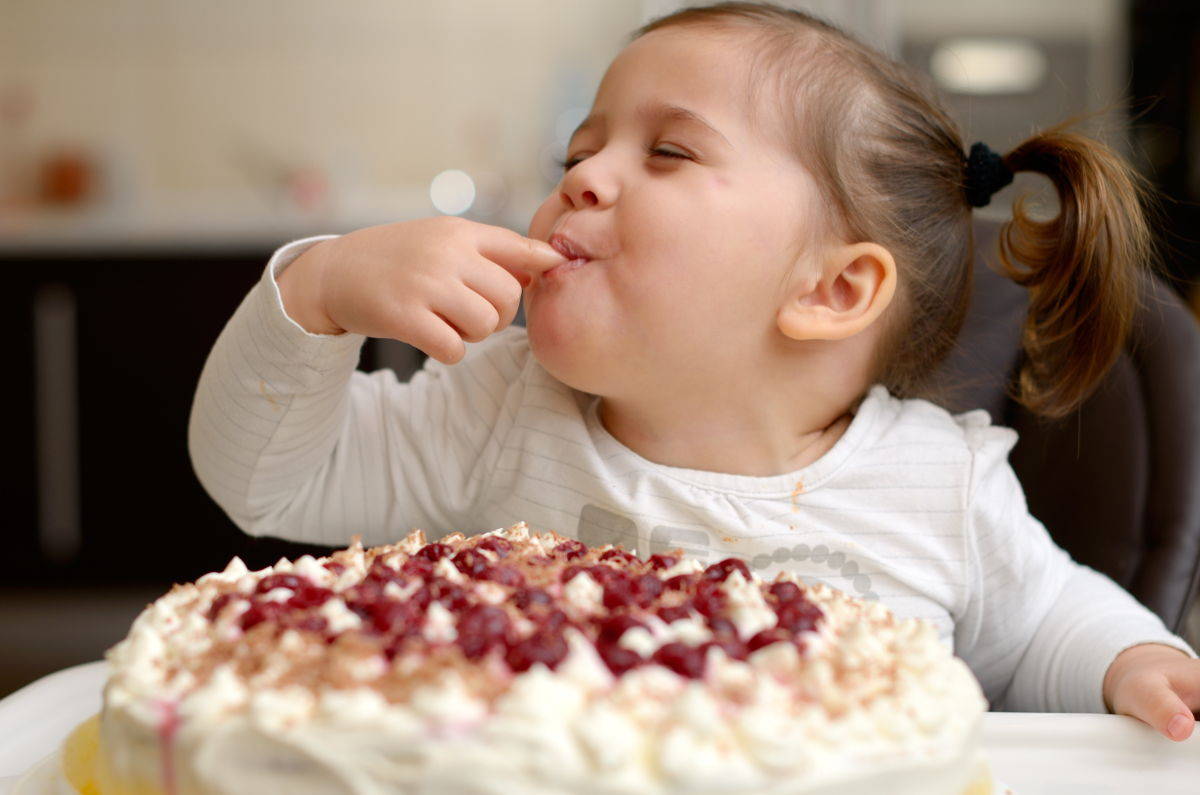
(1082, 268)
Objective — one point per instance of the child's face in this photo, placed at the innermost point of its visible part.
(691, 255)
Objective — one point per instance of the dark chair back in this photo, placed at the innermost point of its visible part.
(1117, 483)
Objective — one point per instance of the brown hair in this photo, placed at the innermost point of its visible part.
(891, 164)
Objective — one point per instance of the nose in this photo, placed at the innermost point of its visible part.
(587, 184)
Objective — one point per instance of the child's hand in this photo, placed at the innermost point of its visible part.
(432, 282)
(1157, 684)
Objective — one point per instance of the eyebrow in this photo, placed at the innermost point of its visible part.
(652, 111)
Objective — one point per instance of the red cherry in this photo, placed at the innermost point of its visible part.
(481, 628)
(527, 597)
(453, 597)
(495, 544)
(722, 628)
(786, 592)
(471, 563)
(316, 624)
(309, 596)
(682, 659)
(680, 582)
(659, 562)
(571, 549)
(418, 567)
(433, 552)
(766, 638)
(613, 627)
(546, 647)
(721, 570)
(798, 616)
(505, 575)
(733, 647)
(334, 567)
(570, 572)
(709, 600)
(260, 612)
(618, 658)
(674, 613)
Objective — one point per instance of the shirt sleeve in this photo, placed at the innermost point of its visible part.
(1038, 629)
(292, 441)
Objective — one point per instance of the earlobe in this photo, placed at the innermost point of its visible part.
(854, 288)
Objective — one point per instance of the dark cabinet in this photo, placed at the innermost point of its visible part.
(104, 354)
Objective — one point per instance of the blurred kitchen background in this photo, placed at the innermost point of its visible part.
(153, 155)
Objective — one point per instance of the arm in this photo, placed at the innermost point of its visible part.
(291, 441)
(1038, 629)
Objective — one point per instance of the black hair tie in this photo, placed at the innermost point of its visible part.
(986, 174)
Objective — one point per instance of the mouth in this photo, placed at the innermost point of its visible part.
(577, 256)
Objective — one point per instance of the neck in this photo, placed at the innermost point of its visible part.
(744, 429)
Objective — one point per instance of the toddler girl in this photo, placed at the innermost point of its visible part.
(759, 250)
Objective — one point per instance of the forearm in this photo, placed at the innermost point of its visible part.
(267, 409)
(1093, 621)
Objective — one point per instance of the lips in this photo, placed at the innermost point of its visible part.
(569, 248)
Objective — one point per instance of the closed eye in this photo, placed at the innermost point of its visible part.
(566, 165)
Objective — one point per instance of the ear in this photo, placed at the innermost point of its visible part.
(847, 295)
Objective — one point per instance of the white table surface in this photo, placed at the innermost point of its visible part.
(1033, 753)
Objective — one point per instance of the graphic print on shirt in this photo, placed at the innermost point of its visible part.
(599, 526)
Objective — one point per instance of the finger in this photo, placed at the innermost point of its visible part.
(1161, 707)
(516, 253)
(468, 311)
(497, 286)
(1185, 681)
(435, 336)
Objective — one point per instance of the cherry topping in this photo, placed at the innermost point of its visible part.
(505, 575)
(471, 563)
(260, 612)
(618, 658)
(620, 555)
(658, 562)
(418, 567)
(219, 603)
(613, 627)
(619, 592)
(680, 582)
(544, 646)
(708, 599)
(383, 573)
(604, 574)
(495, 544)
(390, 616)
(674, 613)
(454, 597)
(309, 596)
(766, 638)
(721, 570)
(571, 549)
(786, 592)
(682, 659)
(273, 581)
(798, 616)
(570, 572)
(526, 597)
(433, 552)
(312, 624)
(334, 566)
(722, 628)
(481, 628)
(733, 647)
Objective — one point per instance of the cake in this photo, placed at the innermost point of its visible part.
(521, 662)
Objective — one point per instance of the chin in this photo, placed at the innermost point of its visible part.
(568, 353)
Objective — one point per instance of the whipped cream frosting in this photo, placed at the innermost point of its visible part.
(213, 692)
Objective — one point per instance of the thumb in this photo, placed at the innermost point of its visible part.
(1164, 710)
(518, 254)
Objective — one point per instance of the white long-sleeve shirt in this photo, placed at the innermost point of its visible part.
(912, 506)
